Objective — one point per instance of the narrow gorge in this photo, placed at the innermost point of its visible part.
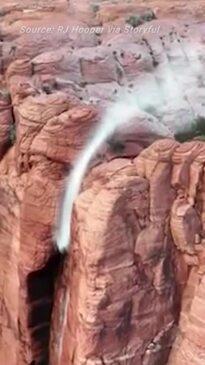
(102, 182)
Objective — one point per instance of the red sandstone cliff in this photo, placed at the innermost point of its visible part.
(131, 291)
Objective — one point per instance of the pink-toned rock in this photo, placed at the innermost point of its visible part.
(6, 121)
(187, 221)
(132, 289)
(110, 321)
(159, 255)
(29, 194)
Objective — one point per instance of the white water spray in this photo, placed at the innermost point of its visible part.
(163, 92)
(146, 93)
(118, 115)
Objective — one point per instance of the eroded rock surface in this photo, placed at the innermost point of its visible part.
(125, 283)
(136, 266)
(131, 290)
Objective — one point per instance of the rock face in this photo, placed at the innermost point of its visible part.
(30, 186)
(132, 289)
(125, 284)
(129, 287)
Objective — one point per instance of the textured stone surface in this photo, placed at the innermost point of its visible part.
(110, 315)
(30, 184)
(125, 284)
(131, 291)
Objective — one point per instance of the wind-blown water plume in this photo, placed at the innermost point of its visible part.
(118, 114)
(146, 94)
(161, 90)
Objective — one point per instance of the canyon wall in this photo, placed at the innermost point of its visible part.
(131, 289)
(136, 266)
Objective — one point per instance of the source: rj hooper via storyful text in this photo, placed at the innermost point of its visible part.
(91, 30)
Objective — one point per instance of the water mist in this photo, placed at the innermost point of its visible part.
(147, 93)
(115, 116)
(166, 87)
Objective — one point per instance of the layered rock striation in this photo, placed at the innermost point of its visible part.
(136, 266)
(131, 289)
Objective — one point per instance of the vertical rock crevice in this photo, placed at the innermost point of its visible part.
(41, 288)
